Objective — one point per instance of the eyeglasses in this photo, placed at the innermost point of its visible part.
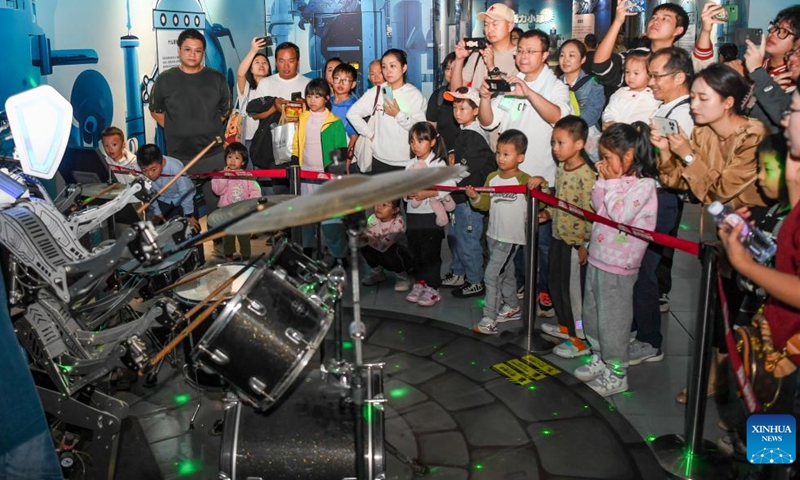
(781, 32)
(661, 75)
(341, 80)
(528, 52)
(795, 52)
(789, 111)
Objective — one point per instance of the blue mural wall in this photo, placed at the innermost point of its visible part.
(104, 56)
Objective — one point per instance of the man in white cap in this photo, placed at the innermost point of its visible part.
(498, 21)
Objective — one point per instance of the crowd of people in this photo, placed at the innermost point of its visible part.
(632, 135)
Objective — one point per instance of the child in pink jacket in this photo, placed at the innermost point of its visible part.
(233, 190)
(624, 193)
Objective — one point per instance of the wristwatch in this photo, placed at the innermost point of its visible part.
(688, 159)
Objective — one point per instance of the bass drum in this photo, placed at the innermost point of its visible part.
(311, 435)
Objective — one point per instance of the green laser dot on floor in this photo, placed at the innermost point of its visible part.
(650, 438)
(547, 433)
(478, 466)
(189, 467)
(182, 398)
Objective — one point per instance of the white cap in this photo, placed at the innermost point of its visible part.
(498, 11)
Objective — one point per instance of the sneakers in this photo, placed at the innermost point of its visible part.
(508, 314)
(573, 347)
(374, 277)
(469, 290)
(590, 370)
(429, 297)
(451, 280)
(402, 283)
(663, 303)
(545, 306)
(486, 326)
(607, 384)
(558, 331)
(415, 293)
(639, 352)
(521, 292)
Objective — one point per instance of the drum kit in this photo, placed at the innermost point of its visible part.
(255, 326)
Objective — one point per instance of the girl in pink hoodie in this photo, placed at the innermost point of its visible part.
(624, 193)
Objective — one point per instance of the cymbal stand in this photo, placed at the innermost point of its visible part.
(337, 367)
(355, 224)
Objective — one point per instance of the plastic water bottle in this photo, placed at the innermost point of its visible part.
(760, 245)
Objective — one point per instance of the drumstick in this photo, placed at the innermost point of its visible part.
(189, 328)
(186, 331)
(102, 192)
(184, 281)
(179, 174)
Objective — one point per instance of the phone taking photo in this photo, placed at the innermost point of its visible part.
(666, 126)
(387, 93)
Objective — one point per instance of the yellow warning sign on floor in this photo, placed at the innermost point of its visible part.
(525, 369)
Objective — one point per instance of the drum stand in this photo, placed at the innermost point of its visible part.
(366, 379)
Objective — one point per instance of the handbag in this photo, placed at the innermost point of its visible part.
(764, 367)
(233, 129)
(282, 140)
(362, 150)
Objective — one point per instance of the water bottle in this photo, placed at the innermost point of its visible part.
(760, 245)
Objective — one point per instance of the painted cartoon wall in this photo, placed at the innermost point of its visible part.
(104, 56)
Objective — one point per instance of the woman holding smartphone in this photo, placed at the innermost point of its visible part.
(719, 162)
(396, 106)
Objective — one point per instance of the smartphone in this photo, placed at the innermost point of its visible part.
(752, 34)
(498, 85)
(666, 126)
(637, 6)
(475, 43)
(297, 96)
(729, 13)
(387, 93)
(267, 41)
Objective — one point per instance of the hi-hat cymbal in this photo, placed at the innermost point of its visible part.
(343, 196)
(236, 210)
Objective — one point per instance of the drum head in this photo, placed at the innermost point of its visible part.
(197, 290)
(165, 264)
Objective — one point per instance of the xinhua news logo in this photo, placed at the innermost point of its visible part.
(771, 439)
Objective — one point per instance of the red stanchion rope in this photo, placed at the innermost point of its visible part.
(646, 235)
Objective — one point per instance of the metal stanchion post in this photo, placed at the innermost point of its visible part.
(689, 456)
(293, 174)
(533, 343)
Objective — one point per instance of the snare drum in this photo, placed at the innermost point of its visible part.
(192, 293)
(163, 273)
(264, 337)
(311, 435)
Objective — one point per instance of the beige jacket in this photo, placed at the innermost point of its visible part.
(729, 177)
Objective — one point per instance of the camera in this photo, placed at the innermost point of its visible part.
(475, 44)
(498, 85)
(267, 41)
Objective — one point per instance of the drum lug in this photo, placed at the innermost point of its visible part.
(217, 356)
(258, 386)
(256, 308)
(295, 336)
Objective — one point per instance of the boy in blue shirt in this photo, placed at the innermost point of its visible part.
(344, 81)
(178, 199)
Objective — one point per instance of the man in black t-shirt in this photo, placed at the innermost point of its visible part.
(191, 103)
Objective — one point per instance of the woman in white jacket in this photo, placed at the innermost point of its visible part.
(397, 106)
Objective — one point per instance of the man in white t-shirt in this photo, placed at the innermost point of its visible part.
(538, 100)
(286, 83)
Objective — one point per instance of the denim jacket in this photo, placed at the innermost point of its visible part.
(591, 98)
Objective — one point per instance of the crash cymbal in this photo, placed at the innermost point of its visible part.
(92, 189)
(236, 210)
(343, 196)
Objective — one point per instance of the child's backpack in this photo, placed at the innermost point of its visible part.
(573, 99)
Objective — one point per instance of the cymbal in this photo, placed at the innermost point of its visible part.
(236, 210)
(92, 189)
(343, 196)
